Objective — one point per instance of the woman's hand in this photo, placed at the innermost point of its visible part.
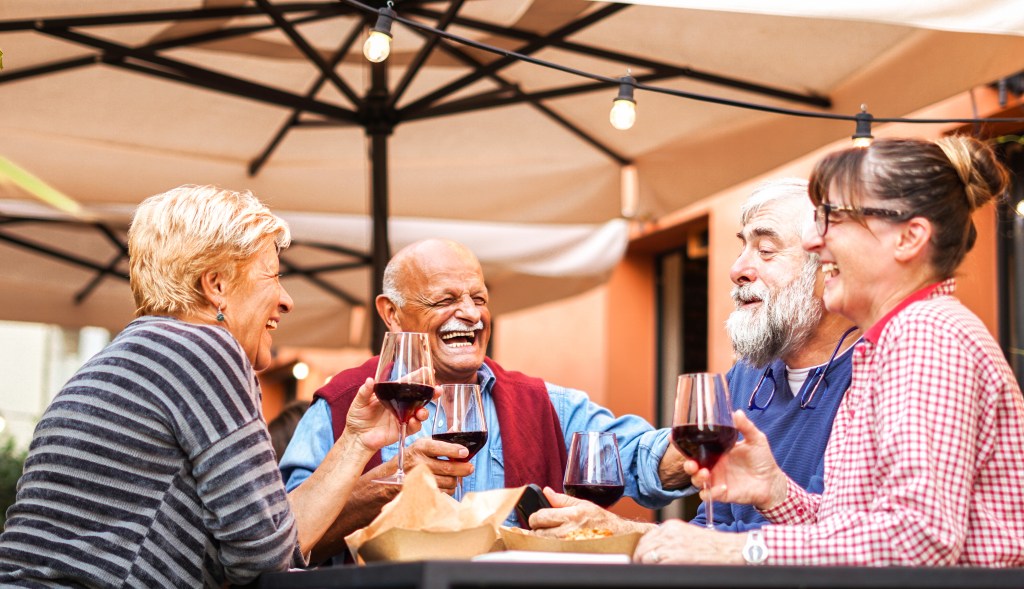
(372, 424)
(747, 474)
(677, 542)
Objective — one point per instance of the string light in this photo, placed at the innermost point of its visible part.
(623, 113)
(377, 47)
(862, 134)
(863, 119)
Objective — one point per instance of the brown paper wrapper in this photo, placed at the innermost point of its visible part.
(517, 539)
(422, 523)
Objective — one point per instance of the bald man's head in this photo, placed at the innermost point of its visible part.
(437, 286)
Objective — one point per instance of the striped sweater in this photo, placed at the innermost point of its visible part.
(152, 468)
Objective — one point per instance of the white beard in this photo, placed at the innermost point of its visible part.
(782, 323)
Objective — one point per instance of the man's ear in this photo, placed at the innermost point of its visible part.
(388, 311)
(913, 239)
(214, 287)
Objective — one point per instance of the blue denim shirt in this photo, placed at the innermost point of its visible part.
(640, 445)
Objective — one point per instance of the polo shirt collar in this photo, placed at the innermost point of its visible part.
(935, 289)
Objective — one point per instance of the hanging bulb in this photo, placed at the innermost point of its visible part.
(377, 47)
(862, 135)
(623, 113)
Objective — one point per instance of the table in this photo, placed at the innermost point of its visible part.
(470, 575)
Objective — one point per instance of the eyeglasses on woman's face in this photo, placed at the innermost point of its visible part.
(824, 212)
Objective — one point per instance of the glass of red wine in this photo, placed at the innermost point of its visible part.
(594, 471)
(459, 419)
(404, 383)
(702, 426)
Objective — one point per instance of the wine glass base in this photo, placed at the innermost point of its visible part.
(396, 479)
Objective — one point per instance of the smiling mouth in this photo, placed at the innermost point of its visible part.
(271, 324)
(830, 269)
(459, 339)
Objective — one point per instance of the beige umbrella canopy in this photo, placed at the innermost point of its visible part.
(110, 101)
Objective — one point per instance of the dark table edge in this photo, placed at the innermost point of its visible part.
(463, 574)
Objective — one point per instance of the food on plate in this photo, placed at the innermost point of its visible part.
(588, 534)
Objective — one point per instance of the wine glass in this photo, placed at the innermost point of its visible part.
(459, 419)
(404, 383)
(594, 471)
(702, 426)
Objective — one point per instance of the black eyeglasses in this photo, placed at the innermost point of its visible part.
(808, 397)
(823, 211)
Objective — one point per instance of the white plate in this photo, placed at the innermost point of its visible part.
(559, 557)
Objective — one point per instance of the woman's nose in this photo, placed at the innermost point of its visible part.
(285, 303)
(811, 241)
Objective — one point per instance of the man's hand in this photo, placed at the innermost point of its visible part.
(747, 474)
(429, 451)
(568, 514)
(671, 469)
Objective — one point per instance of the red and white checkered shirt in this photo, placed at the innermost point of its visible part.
(925, 464)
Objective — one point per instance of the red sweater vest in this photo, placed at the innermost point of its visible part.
(532, 441)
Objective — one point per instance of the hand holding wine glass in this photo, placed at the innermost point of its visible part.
(404, 383)
(373, 424)
(748, 473)
(594, 470)
(459, 419)
(702, 426)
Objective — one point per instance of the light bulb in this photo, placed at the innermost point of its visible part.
(623, 114)
(1020, 208)
(300, 370)
(377, 47)
(862, 135)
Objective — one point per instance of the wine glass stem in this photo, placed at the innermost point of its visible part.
(401, 451)
(458, 488)
(709, 509)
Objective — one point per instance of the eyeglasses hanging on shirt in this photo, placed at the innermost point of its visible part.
(818, 376)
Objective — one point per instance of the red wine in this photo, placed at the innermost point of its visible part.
(403, 398)
(705, 445)
(603, 495)
(473, 441)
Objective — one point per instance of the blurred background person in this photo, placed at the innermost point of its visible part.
(925, 465)
(282, 427)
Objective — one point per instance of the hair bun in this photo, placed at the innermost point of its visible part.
(984, 178)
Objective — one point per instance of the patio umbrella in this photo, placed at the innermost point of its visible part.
(114, 100)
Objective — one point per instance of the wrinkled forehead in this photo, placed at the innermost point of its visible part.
(445, 269)
(783, 219)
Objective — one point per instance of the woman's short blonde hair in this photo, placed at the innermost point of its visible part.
(177, 236)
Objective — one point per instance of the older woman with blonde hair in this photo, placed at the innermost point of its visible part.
(153, 467)
(925, 463)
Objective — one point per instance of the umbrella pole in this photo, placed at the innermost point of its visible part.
(378, 127)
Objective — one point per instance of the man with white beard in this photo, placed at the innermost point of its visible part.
(794, 356)
(437, 287)
(794, 359)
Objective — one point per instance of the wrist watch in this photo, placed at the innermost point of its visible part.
(755, 551)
